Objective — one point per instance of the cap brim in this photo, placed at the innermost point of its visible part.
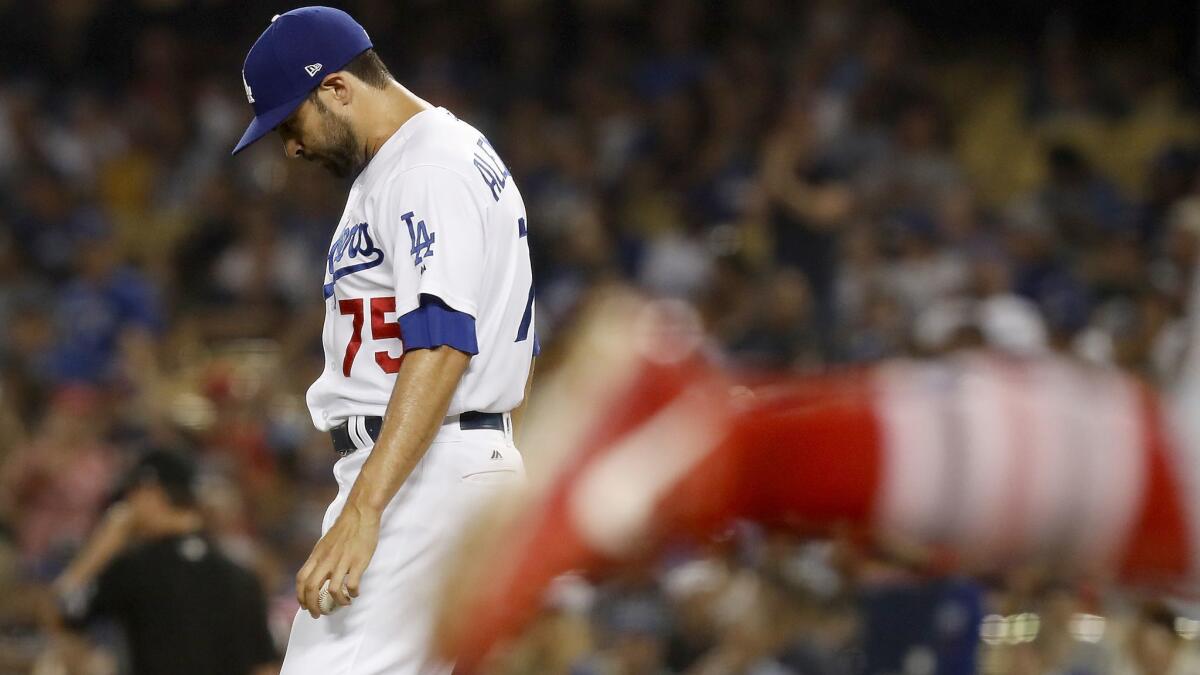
(263, 123)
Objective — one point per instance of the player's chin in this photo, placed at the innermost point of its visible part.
(334, 167)
(338, 170)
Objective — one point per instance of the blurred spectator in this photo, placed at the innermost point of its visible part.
(1064, 83)
(184, 607)
(782, 331)
(103, 304)
(923, 627)
(1083, 205)
(810, 205)
(58, 483)
(635, 628)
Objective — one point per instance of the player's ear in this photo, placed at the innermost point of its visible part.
(337, 88)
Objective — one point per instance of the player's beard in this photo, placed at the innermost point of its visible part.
(340, 153)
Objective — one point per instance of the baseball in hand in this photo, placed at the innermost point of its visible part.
(325, 601)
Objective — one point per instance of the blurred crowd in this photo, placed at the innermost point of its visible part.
(825, 181)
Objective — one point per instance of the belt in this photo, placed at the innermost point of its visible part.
(343, 443)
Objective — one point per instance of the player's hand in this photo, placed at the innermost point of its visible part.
(341, 556)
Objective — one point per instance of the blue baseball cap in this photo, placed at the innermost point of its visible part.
(289, 59)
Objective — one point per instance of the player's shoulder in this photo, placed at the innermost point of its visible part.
(439, 144)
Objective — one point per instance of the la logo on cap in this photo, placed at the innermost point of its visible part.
(249, 94)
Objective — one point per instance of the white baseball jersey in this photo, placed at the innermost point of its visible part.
(434, 213)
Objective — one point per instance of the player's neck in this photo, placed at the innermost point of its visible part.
(393, 107)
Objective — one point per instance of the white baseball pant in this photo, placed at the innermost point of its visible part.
(387, 628)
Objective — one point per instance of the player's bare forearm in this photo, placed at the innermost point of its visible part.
(424, 387)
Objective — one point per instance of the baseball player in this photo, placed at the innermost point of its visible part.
(428, 336)
(992, 458)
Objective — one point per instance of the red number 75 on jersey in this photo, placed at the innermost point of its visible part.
(381, 329)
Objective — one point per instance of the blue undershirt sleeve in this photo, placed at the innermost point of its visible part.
(434, 324)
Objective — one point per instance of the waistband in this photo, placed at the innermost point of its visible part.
(360, 432)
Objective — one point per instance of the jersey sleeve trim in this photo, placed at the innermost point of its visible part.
(434, 324)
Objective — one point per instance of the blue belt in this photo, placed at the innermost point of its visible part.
(343, 444)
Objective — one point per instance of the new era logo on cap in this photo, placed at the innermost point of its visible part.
(309, 40)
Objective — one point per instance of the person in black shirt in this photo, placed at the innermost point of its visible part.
(185, 607)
